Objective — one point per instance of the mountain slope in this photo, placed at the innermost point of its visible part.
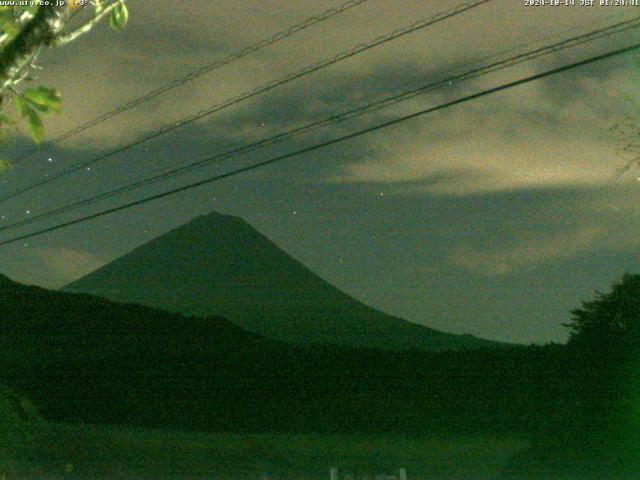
(86, 359)
(219, 265)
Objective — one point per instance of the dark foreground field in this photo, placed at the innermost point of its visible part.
(91, 452)
(444, 415)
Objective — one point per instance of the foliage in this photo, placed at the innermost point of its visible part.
(119, 17)
(612, 320)
(601, 419)
(32, 103)
(34, 100)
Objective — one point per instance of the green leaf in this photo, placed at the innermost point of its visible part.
(44, 99)
(40, 108)
(21, 105)
(119, 17)
(4, 165)
(8, 22)
(36, 128)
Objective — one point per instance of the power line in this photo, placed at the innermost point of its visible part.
(258, 91)
(334, 141)
(205, 69)
(340, 117)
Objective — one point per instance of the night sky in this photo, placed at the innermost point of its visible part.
(495, 217)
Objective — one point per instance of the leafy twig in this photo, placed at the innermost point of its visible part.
(64, 39)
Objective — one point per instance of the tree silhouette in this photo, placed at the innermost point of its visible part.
(597, 431)
(605, 346)
(611, 322)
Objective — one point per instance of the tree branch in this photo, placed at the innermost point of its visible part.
(63, 39)
(21, 20)
(40, 31)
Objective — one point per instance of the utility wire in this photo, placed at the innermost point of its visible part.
(258, 91)
(321, 145)
(341, 117)
(205, 69)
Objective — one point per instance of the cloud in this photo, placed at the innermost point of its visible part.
(529, 252)
(470, 167)
(564, 228)
(164, 41)
(519, 139)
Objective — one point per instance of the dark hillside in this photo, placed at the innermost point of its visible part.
(86, 359)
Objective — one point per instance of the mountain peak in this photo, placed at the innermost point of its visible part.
(213, 216)
(218, 264)
(214, 221)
